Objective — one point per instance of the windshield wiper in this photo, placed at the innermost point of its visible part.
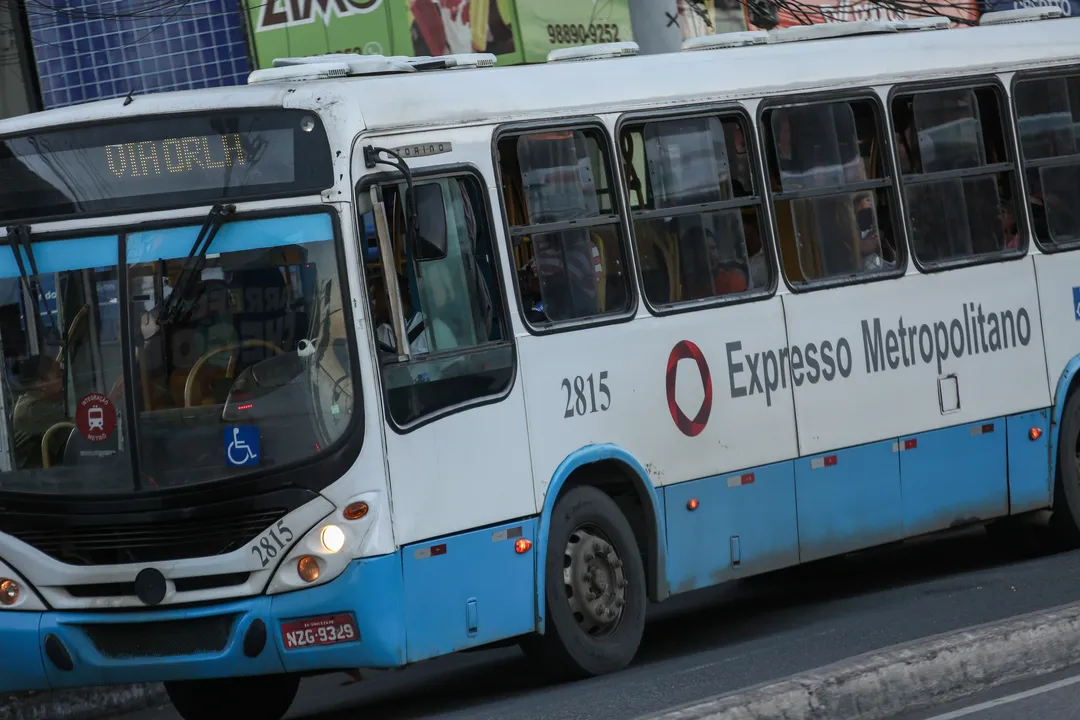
(19, 238)
(193, 264)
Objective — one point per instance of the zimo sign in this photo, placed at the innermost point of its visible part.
(290, 13)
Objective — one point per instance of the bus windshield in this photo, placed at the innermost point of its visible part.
(103, 393)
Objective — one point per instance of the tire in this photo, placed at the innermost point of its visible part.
(577, 643)
(1065, 521)
(262, 697)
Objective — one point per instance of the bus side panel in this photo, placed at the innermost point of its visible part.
(744, 523)
(1031, 486)
(928, 351)
(468, 590)
(953, 476)
(677, 392)
(848, 500)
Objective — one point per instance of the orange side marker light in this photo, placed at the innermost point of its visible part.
(355, 511)
(692, 505)
(1035, 433)
(522, 546)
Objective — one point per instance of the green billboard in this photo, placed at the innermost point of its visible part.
(550, 24)
(514, 31)
(296, 28)
(451, 27)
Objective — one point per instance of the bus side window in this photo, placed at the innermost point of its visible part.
(564, 225)
(454, 322)
(959, 181)
(833, 194)
(696, 217)
(1048, 112)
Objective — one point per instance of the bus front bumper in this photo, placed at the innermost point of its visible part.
(75, 649)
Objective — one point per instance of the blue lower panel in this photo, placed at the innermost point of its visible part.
(848, 500)
(745, 523)
(953, 476)
(115, 647)
(373, 594)
(469, 589)
(1030, 484)
(21, 665)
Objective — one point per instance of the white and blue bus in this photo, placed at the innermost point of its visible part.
(414, 356)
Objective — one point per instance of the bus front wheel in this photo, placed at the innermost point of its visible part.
(595, 593)
(261, 697)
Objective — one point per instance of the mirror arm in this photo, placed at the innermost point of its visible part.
(390, 276)
(412, 218)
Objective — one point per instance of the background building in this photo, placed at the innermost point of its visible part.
(18, 91)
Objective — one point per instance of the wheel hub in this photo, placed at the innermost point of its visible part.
(594, 581)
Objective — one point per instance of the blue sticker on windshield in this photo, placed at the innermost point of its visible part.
(241, 446)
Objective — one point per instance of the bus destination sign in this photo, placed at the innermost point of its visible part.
(151, 158)
(162, 163)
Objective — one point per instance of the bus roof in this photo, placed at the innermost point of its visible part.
(501, 94)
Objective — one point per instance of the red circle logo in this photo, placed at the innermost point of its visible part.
(95, 417)
(683, 351)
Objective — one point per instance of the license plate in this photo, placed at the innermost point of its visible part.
(313, 632)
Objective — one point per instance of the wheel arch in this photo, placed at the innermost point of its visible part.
(618, 473)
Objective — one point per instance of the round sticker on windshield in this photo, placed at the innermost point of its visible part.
(95, 417)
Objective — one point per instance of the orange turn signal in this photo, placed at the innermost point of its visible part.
(307, 568)
(522, 545)
(9, 592)
(692, 505)
(1035, 433)
(355, 511)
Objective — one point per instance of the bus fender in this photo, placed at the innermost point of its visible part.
(1061, 395)
(652, 500)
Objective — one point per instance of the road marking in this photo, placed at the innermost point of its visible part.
(1008, 699)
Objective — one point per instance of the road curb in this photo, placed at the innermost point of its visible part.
(907, 677)
(96, 703)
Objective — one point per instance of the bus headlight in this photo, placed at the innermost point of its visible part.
(324, 552)
(332, 538)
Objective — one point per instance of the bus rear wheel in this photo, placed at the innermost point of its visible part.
(261, 697)
(1065, 520)
(595, 595)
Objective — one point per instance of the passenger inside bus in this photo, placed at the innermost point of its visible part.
(836, 147)
(688, 253)
(552, 179)
(38, 408)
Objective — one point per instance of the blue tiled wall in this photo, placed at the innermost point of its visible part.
(99, 49)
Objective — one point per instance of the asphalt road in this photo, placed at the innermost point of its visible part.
(721, 639)
(1051, 696)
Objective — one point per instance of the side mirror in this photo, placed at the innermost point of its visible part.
(431, 238)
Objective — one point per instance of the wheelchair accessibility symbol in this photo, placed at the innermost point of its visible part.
(241, 446)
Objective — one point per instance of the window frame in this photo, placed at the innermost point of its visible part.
(1069, 70)
(884, 128)
(971, 82)
(498, 296)
(689, 112)
(293, 479)
(586, 122)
